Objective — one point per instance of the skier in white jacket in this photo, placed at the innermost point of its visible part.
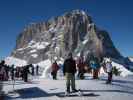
(109, 68)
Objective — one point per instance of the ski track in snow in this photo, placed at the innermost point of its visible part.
(48, 89)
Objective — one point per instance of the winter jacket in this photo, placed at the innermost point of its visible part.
(55, 67)
(109, 67)
(69, 66)
(80, 64)
(2, 70)
(94, 63)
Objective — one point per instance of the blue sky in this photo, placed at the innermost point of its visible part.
(115, 16)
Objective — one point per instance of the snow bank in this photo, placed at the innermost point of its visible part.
(124, 72)
(15, 61)
(47, 68)
(131, 59)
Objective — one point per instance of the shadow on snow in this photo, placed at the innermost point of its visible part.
(35, 92)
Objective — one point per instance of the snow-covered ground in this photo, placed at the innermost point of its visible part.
(44, 88)
(48, 89)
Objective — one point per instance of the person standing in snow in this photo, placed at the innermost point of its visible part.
(3, 75)
(12, 72)
(26, 72)
(95, 65)
(32, 69)
(37, 70)
(80, 66)
(55, 68)
(69, 70)
(109, 68)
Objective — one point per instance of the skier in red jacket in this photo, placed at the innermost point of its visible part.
(55, 68)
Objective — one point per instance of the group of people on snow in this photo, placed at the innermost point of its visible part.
(70, 67)
(12, 72)
(93, 66)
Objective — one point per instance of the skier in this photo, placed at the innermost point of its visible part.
(55, 68)
(17, 72)
(32, 69)
(7, 72)
(69, 70)
(80, 66)
(12, 72)
(37, 70)
(109, 68)
(94, 64)
(25, 73)
(2, 71)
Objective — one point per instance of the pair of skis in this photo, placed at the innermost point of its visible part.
(79, 93)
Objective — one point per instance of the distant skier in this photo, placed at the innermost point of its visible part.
(37, 70)
(3, 74)
(12, 72)
(109, 68)
(25, 73)
(32, 70)
(7, 68)
(55, 68)
(95, 65)
(69, 70)
(81, 68)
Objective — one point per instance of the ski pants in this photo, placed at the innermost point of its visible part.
(95, 73)
(110, 77)
(70, 81)
(54, 74)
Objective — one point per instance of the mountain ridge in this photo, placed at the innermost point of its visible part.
(73, 31)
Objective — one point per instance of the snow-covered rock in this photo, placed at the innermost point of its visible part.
(33, 51)
(39, 45)
(34, 55)
(74, 31)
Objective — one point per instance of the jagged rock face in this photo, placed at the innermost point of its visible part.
(74, 31)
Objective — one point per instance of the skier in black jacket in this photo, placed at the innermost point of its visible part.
(69, 70)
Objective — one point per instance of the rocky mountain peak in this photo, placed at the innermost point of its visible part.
(73, 31)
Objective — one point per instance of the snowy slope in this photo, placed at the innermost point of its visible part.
(131, 59)
(47, 89)
(124, 71)
(45, 66)
(15, 61)
(47, 69)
